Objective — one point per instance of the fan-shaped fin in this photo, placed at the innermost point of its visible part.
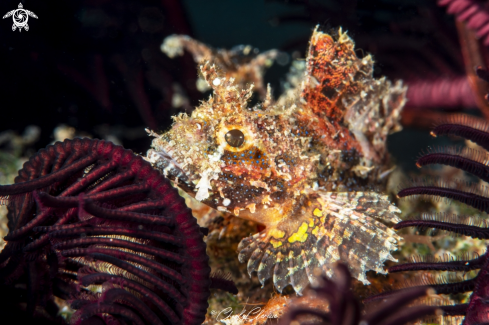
(334, 227)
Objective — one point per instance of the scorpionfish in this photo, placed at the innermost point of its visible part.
(304, 166)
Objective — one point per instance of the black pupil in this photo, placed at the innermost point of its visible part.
(234, 138)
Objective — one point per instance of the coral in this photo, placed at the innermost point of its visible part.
(95, 225)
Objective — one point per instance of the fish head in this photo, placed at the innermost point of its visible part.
(231, 156)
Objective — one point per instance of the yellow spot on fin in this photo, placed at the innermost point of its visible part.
(318, 213)
(275, 243)
(300, 235)
(315, 231)
(275, 233)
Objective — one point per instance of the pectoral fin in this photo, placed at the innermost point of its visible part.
(334, 227)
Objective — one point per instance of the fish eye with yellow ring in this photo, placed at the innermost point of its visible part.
(235, 138)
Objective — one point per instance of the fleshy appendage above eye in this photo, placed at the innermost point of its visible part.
(235, 138)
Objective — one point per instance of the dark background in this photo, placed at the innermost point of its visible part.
(96, 65)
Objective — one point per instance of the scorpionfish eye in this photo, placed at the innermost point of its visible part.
(234, 138)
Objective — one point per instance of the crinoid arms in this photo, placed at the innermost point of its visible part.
(345, 308)
(475, 162)
(93, 224)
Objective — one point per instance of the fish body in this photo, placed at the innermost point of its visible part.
(304, 166)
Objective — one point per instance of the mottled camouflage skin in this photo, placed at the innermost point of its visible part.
(304, 169)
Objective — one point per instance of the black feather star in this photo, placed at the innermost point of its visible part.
(345, 308)
(95, 225)
(475, 162)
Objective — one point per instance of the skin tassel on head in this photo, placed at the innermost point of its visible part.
(305, 165)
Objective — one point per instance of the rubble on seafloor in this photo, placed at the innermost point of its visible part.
(255, 304)
(14, 150)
